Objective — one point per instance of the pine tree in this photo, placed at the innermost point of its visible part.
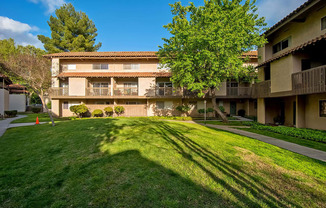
(70, 31)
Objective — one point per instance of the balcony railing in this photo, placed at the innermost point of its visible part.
(309, 81)
(239, 91)
(98, 91)
(59, 91)
(126, 91)
(167, 91)
(262, 89)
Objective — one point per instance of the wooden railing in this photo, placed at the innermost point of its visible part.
(309, 81)
(261, 89)
(125, 91)
(98, 91)
(167, 91)
(59, 91)
(239, 92)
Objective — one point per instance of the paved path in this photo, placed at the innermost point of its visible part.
(306, 151)
(5, 124)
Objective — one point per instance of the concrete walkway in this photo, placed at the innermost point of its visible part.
(307, 151)
(5, 124)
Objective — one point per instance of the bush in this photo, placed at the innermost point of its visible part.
(11, 113)
(79, 110)
(222, 109)
(36, 110)
(309, 134)
(97, 113)
(49, 105)
(241, 113)
(183, 108)
(208, 110)
(108, 111)
(119, 110)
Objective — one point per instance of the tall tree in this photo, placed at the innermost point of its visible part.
(70, 31)
(207, 43)
(26, 65)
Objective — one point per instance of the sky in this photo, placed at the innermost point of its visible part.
(123, 25)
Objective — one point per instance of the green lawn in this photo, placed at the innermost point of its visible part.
(303, 142)
(31, 117)
(230, 123)
(141, 162)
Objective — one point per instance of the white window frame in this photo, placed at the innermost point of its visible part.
(323, 23)
(71, 66)
(101, 66)
(131, 66)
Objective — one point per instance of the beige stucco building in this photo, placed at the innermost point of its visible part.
(292, 69)
(136, 81)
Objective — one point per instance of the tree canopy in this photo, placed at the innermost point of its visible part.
(208, 42)
(70, 31)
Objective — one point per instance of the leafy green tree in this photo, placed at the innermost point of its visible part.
(25, 65)
(207, 43)
(70, 31)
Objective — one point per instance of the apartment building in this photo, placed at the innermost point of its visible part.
(4, 94)
(292, 69)
(136, 81)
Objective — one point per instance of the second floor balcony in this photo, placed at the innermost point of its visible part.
(243, 92)
(126, 91)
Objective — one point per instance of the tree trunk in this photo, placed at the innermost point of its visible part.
(46, 107)
(219, 112)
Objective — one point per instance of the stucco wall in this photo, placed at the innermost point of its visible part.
(4, 101)
(281, 71)
(146, 86)
(17, 102)
(312, 118)
(77, 86)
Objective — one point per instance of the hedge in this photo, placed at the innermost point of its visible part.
(36, 109)
(309, 134)
(11, 113)
(97, 113)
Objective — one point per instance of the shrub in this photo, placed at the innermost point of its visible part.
(241, 112)
(201, 111)
(36, 110)
(222, 109)
(208, 110)
(108, 111)
(11, 113)
(97, 113)
(119, 110)
(183, 108)
(309, 134)
(49, 105)
(79, 110)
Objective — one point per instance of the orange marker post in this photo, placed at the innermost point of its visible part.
(37, 121)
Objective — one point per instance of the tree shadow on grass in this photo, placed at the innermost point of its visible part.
(258, 190)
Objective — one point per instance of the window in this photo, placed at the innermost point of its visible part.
(131, 66)
(130, 85)
(132, 103)
(322, 108)
(160, 104)
(200, 105)
(99, 103)
(166, 105)
(281, 45)
(101, 66)
(101, 84)
(65, 105)
(71, 66)
(323, 23)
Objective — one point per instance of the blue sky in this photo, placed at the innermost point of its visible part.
(123, 25)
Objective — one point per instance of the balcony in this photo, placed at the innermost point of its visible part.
(243, 92)
(167, 92)
(59, 91)
(309, 81)
(126, 91)
(262, 89)
(98, 91)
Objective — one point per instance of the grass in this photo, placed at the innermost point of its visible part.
(140, 162)
(303, 142)
(31, 117)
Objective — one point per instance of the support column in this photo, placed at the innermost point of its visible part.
(261, 110)
(55, 108)
(300, 111)
(111, 85)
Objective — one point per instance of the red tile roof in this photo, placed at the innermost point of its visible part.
(114, 74)
(300, 47)
(120, 55)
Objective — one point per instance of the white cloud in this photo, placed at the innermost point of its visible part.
(275, 10)
(51, 5)
(20, 32)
